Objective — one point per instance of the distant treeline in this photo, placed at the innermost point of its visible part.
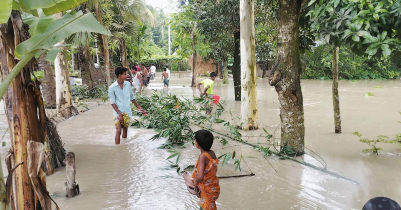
(351, 66)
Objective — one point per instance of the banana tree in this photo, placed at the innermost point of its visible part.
(23, 100)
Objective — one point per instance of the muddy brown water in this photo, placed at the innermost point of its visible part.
(135, 174)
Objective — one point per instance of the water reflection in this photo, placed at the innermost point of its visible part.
(135, 175)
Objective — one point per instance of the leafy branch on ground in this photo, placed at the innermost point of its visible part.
(173, 118)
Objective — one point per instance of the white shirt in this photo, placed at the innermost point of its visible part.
(168, 73)
(135, 80)
(153, 69)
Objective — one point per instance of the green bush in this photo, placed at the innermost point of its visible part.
(318, 65)
(83, 92)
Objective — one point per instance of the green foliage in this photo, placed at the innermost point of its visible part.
(318, 64)
(265, 29)
(287, 151)
(37, 75)
(170, 115)
(369, 94)
(373, 142)
(59, 30)
(28, 6)
(188, 40)
(38, 25)
(371, 27)
(5, 10)
(97, 92)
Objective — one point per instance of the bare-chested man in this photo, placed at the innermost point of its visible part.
(165, 78)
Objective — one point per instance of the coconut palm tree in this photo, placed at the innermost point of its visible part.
(128, 22)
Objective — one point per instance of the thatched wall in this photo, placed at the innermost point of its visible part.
(202, 66)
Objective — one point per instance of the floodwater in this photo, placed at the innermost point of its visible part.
(135, 174)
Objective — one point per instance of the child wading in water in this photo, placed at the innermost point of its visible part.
(208, 89)
(204, 175)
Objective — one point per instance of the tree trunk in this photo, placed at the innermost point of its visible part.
(85, 64)
(249, 104)
(3, 192)
(217, 68)
(336, 97)
(221, 69)
(63, 93)
(193, 81)
(236, 68)
(265, 66)
(194, 55)
(72, 189)
(105, 44)
(139, 55)
(24, 111)
(106, 58)
(225, 73)
(123, 49)
(48, 83)
(286, 76)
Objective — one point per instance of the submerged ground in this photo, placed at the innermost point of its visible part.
(135, 174)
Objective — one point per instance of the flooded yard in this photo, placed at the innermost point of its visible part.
(136, 175)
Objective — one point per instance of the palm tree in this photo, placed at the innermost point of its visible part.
(128, 22)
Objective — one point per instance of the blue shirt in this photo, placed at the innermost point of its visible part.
(121, 97)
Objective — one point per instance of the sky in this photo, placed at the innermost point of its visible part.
(158, 3)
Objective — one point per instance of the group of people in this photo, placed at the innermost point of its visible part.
(141, 76)
(204, 177)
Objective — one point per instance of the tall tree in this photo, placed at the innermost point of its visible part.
(128, 17)
(249, 104)
(63, 92)
(366, 27)
(85, 61)
(105, 42)
(188, 39)
(219, 22)
(286, 76)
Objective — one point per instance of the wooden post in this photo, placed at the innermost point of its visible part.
(71, 187)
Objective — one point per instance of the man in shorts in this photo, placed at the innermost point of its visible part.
(208, 90)
(121, 95)
(145, 75)
(165, 78)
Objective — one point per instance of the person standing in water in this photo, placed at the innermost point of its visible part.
(153, 71)
(204, 175)
(168, 72)
(145, 75)
(148, 74)
(165, 78)
(121, 95)
(208, 90)
(136, 80)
